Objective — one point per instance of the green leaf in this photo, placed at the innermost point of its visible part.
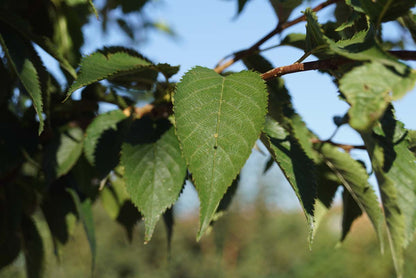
(21, 57)
(63, 152)
(297, 167)
(21, 27)
(350, 211)
(409, 21)
(107, 63)
(354, 178)
(218, 119)
(85, 214)
(32, 248)
(60, 213)
(364, 47)
(315, 39)
(284, 8)
(154, 174)
(382, 10)
(297, 40)
(395, 170)
(369, 89)
(103, 138)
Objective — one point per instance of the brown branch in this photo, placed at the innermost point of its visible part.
(345, 147)
(279, 28)
(332, 63)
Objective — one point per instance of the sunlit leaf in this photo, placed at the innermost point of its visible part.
(107, 63)
(369, 89)
(218, 119)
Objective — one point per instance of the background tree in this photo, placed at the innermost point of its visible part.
(59, 154)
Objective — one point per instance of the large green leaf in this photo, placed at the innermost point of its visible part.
(297, 167)
(85, 214)
(218, 120)
(395, 169)
(63, 152)
(370, 88)
(154, 174)
(106, 63)
(354, 178)
(27, 66)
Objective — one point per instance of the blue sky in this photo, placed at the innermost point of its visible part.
(209, 30)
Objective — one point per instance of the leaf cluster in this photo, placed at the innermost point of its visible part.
(61, 153)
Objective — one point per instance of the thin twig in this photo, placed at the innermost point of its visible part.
(345, 147)
(279, 28)
(332, 63)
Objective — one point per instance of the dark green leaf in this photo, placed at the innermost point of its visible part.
(284, 8)
(382, 10)
(32, 248)
(315, 39)
(350, 211)
(218, 119)
(63, 152)
(154, 174)
(27, 66)
(103, 140)
(298, 168)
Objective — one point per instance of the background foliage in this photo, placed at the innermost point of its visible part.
(60, 154)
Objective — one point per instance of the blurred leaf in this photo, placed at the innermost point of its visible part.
(85, 215)
(169, 221)
(21, 27)
(409, 20)
(27, 66)
(350, 211)
(369, 89)
(284, 8)
(32, 248)
(105, 64)
(60, 214)
(128, 216)
(241, 5)
(395, 170)
(218, 120)
(296, 40)
(63, 152)
(154, 174)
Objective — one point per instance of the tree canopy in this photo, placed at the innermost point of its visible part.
(60, 154)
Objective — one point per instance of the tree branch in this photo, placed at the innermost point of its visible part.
(279, 28)
(332, 63)
(345, 147)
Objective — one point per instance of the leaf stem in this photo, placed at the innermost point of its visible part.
(347, 148)
(332, 63)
